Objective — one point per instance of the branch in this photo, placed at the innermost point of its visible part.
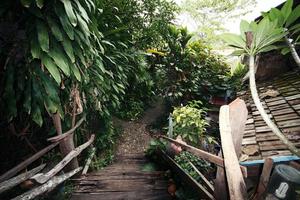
(42, 178)
(69, 132)
(47, 187)
(6, 185)
(293, 51)
(27, 162)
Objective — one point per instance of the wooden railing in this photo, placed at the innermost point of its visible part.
(232, 121)
(45, 181)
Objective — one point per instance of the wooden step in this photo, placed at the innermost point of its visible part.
(124, 179)
(133, 195)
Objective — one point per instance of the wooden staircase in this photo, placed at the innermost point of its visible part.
(123, 180)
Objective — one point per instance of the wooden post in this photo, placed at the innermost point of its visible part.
(264, 178)
(67, 144)
(236, 185)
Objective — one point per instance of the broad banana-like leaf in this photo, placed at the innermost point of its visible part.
(293, 16)
(67, 44)
(51, 67)
(35, 48)
(39, 3)
(64, 21)
(37, 115)
(59, 58)
(83, 26)
(43, 36)
(55, 29)
(70, 13)
(26, 3)
(50, 105)
(83, 12)
(76, 72)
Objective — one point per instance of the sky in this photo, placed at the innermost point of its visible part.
(232, 25)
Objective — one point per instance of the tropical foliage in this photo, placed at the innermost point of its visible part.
(189, 123)
(189, 69)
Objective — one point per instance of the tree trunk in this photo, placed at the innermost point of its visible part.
(263, 113)
(293, 51)
(67, 145)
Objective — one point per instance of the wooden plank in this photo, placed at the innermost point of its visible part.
(275, 153)
(274, 103)
(273, 99)
(282, 112)
(199, 189)
(264, 178)
(200, 153)
(237, 117)
(220, 183)
(247, 141)
(47, 187)
(286, 117)
(130, 195)
(8, 184)
(235, 180)
(121, 185)
(208, 185)
(297, 96)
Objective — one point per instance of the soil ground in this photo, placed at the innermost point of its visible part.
(135, 136)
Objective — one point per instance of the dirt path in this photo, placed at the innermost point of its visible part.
(135, 137)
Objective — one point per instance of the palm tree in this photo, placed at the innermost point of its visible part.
(258, 38)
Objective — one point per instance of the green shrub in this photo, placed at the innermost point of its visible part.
(189, 123)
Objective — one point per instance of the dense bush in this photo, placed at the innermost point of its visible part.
(188, 68)
(72, 57)
(189, 123)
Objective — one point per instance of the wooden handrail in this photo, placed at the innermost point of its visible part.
(202, 154)
(69, 132)
(26, 162)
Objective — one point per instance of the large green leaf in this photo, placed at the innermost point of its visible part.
(82, 11)
(64, 21)
(84, 27)
(43, 36)
(51, 67)
(70, 13)
(276, 15)
(287, 9)
(244, 27)
(59, 58)
(35, 48)
(39, 3)
(55, 29)
(293, 16)
(26, 3)
(37, 115)
(234, 40)
(67, 44)
(76, 72)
